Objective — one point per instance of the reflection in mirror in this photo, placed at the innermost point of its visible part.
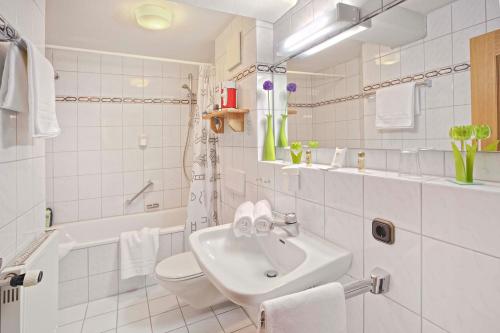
(400, 84)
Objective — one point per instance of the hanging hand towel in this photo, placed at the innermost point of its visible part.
(319, 310)
(263, 217)
(138, 252)
(395, 107)
(243, 220)
(14, 86)
(41, 94)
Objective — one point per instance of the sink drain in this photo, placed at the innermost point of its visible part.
(271, 274)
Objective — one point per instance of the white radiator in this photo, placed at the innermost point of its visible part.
(33, 309)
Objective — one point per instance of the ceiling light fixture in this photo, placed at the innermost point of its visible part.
(337, 38)
(153, 17)
(335, 20)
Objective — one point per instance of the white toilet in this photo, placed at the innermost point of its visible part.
(182, 276)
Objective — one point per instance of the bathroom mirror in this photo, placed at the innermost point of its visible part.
(335, 99)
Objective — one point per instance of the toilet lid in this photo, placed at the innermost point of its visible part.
(181, 266)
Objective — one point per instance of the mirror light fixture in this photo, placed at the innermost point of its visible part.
(337, 38)
(153, 17)
(332, 21)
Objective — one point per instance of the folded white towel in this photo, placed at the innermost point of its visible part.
(243, 220)
(395, 107)
(319, 310)
(138, 252)
(14, 86)
(263, 217)
(41, 94)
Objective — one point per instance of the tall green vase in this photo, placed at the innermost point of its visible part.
(269, 153)
(283, 140)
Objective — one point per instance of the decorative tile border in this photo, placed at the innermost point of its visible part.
(371, 89)
(118, 100)
(261, 68)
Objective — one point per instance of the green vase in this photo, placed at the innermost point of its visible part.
(269, 152)
(296, 156)
(283, 140)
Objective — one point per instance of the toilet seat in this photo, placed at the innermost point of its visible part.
(180, 267)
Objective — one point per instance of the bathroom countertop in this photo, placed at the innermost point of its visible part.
(426, 179)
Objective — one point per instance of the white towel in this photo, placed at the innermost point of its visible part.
(243, 220)
(395, 107)
(263, 217)
(14, 86)
(319, 310)
(138, 252)
(41, 95)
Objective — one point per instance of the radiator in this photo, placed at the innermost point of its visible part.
(33, 309)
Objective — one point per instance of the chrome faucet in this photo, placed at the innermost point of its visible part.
(289, 224)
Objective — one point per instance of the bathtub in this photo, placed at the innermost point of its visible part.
(89, 253)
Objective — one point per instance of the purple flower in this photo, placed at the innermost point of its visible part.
(291, 87)
(268, 85)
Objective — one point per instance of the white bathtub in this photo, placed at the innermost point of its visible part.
(107, 230)
(89, 253)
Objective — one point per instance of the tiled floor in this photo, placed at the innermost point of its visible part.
(151, 310)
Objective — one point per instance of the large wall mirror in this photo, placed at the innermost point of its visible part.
(339, 98)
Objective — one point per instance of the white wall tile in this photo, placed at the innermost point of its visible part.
(344, 191)
(346, 231)
(402, 259)
(406, 213)
(467, 13)
(311, 216)
(384, 315)
(446, 269)
(74, 265)
(447, 212)
(103, 285)
(103, 258)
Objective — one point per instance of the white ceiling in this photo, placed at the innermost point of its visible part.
(109, 25)
(265, 10)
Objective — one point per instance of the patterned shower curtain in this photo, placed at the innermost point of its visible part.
(203, 204)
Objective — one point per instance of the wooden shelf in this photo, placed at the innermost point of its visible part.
(235, 119)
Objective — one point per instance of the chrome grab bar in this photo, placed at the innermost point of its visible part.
(149, 184)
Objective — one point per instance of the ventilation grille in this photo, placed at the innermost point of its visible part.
(10, 295)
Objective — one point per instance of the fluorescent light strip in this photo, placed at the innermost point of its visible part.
(335, 40)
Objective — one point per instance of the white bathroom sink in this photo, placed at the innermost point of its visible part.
(238, 266)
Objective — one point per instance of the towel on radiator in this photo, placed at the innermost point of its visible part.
(14, 85)
(316, 310)
(41, 94)
(138, 252)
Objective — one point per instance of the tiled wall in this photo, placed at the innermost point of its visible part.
(92, 273)
(445, 240)
(22, 159)
(242, 150)
(96, 164)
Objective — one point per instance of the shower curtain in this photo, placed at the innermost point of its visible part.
(203, 204)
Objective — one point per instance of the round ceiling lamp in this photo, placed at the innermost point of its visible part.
(153, 17)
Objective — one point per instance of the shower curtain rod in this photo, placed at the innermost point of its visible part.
(126, 55)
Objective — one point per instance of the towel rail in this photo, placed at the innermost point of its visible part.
(148, 184)
(378, 283)
(9, 34)
(427, 83)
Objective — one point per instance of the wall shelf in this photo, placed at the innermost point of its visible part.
(235, 119)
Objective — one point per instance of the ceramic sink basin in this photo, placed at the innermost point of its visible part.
(240, 267)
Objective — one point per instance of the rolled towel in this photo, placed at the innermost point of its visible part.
(263, 217)
(243, 220)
